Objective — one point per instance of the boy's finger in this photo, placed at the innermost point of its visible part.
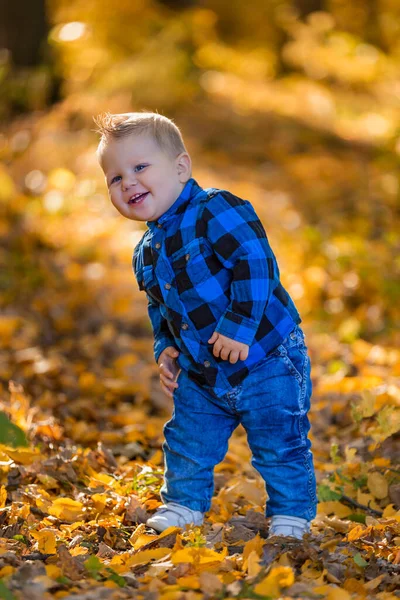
(217, 348)
(166, 372)
(213, 338)
(171, 352)
(225, 353)
(167, 382)
(166, 391)
(244, 353)
(233, 357)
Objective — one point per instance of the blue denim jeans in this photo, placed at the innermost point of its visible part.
(272, 405)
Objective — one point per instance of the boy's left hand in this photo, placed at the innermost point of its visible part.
(227, 348)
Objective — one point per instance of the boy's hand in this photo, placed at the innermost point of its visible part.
(227, 348)
(169, 370)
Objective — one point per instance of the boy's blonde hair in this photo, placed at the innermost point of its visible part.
(162, 130)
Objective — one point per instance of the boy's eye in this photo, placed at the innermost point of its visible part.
(139, 168)
(114, 179)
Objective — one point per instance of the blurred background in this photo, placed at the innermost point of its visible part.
(291, 104)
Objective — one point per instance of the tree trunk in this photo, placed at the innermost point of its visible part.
(23, 31)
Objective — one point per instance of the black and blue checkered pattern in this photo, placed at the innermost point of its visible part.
(206, 265)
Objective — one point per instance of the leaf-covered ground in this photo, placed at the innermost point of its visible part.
(75, 344)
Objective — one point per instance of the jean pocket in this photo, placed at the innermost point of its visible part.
(294, 358)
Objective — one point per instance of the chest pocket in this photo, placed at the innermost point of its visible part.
(191, 264)
(148, 283)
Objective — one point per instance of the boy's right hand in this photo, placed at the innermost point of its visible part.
(169, 370)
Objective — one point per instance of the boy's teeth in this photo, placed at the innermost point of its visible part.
(135, 198)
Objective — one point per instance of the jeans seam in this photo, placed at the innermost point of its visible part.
(308, 453)
(313, 497)
(284, 355)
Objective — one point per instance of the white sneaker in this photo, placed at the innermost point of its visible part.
(289, 526)
(172, 514)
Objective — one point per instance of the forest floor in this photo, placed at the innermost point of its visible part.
(76, 346)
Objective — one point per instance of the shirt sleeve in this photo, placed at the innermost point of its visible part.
(240, 243)
(162, 335)
(161, 332)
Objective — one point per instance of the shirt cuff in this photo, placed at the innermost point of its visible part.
(237, 327)
(160, 344)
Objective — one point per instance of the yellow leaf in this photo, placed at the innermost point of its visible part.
(43, 504)
(256, 544)
(373, 583)
(78, 551)
(23, 511)
(8, 325)
(168, 531)
(379, 461)
(99, 501)
(123, 562)
(377, 485)
(336, 593)
(279, 577)
(334, 507)
(100, 478)
(3, 496)
(53, 571)
(171, 592)
(321, 589)
(363, 498)
(389, 511)
(66, 509)
(23, 456)
(191, 582)
(199, 556)
(71, 527)
(157, 458)
(7, 570)
(350, 454)
(142, 540)
(253, 564)
(111, 584)
(355, 533)
(46, 540)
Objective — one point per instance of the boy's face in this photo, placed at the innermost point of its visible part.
(143, 180)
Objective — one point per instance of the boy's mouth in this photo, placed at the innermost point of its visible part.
(136, 198)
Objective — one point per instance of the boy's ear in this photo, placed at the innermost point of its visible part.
(184, 167)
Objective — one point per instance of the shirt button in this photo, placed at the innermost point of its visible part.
(187, 256)
(207, 363)
(185, 326)
(159, 225)
(158, 246)
(167, 286)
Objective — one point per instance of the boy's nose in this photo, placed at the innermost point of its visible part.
(127, 184)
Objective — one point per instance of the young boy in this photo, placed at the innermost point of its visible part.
(226, 333)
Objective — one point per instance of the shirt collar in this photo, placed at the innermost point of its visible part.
(189, 191)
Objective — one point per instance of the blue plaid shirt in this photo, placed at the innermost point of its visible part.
(206, 265)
